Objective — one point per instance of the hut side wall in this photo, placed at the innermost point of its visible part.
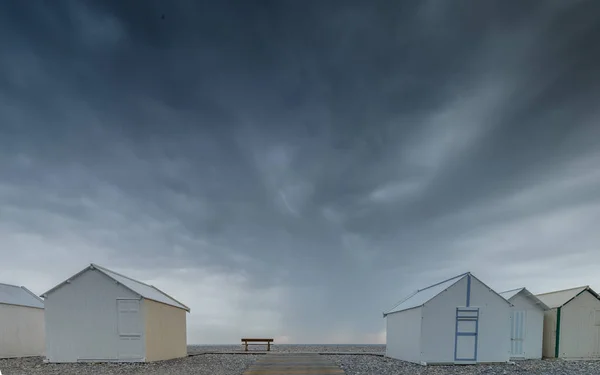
(21, 331)
(403, 335)
(165, 331)
(580, 328)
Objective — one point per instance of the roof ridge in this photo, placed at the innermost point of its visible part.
(564, 290)
(445, 281)
(32, 293)
(119, 274)
(13, 285)
(19, 295)
(512, 290)
(456, 278)
(107, 272)
(533, 297)
(403, 299)
(167, 295)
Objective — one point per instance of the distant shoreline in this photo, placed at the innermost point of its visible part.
(236, 344)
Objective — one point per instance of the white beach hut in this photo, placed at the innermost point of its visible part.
(21, 322)
(99, 315)
(527, 324)
(457, 321)
(572, 325)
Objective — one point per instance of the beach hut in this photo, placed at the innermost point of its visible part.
(99, 315)
(457, 321)
(21, 322)
(572, 325)
(527, 324)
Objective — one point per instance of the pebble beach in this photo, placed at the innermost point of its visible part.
(213, 360)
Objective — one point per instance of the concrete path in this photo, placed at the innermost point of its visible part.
(293, 364)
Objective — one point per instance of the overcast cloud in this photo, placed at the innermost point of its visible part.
(293, 168)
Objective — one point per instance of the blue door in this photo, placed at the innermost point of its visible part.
(465, 339)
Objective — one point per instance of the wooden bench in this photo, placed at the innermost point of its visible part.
(247, 342)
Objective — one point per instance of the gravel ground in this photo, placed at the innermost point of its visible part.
(233, 364)
(372, 365)
(208, 364)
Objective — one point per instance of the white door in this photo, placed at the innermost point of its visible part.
(465, 339)
(130, 345)
(517, 337)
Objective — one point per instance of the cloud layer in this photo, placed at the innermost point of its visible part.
(293, 169)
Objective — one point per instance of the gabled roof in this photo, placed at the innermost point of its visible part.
(510, 294)
(144, 290)
(562, 297)
(422, 296)
(19, 296)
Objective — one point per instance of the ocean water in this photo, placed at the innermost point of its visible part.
(358, 348)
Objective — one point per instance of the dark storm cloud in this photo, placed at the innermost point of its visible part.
(315, 151)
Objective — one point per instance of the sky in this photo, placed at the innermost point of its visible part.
(293, 169)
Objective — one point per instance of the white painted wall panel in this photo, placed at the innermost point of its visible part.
(21, 331)
(439, 324)
(494, 324)
(579, 334)
(534, 326)
(81, 319)
(403, 335)
(549, 336)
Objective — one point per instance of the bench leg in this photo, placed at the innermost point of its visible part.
(268, 346)
(246, 345)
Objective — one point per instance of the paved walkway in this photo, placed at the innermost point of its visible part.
(293, 364)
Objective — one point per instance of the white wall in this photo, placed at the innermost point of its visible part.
(534, 326)
(21, 331)
(579, 334)
(81, 319)
(403, 335)
(494, 324)
(439, 324)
